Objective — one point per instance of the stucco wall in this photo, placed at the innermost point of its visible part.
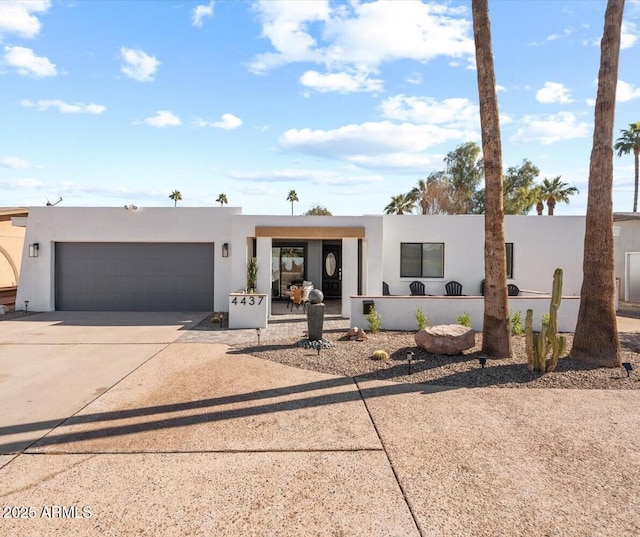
(541, 244)
(398, 313)
(48, 225)
(627, 240)
(11, 244)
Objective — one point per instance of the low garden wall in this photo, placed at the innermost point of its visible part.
(398, 312)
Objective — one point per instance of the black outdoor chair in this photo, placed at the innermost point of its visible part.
(513, 289)
(385, 289)
(417, 288)
(453, 288)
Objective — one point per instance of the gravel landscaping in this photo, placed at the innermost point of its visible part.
(354, 358)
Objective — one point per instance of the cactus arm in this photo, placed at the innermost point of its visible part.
(528, 338)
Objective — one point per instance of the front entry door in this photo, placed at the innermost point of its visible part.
(332, 271)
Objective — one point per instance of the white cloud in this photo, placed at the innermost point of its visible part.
(550, 129)
(316, 177)
(376, 144)
(229, 122)
(626, 92)
(27, 63)
(414, 78)
(553, 92)
(629, 35)
(500, 89)
(139, 65)
(14, 162)
(22, 182)
(17, 17)
(358, 37)
(340, 82)
(162, 119)
(65, 108)
(453, 111)
(200, 12)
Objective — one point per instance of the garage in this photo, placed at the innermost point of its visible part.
(134, 276)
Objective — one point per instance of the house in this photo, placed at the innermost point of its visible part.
(190, 259)
(11, 242)
(626, 234)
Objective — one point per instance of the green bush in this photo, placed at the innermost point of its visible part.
(516, 323)
(374, 319)
(421, 319)
(380, 355)
(545, 318)
(464, 319)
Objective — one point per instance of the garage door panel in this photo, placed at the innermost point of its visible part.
(134, 277)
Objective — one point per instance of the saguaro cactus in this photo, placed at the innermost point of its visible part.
(538, 344)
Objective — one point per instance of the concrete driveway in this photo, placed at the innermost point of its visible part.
(187, 439)
(53, 364)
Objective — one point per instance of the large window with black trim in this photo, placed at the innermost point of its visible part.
(422, 260)
(509, 249)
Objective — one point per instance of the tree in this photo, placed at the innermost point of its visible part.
(496, 340)
(176, 197)
(520, 192)
(555, 191)
(400, 204)
(293, 196)
(464, 169)
(433, 195)
(596, 336)
(318, 210)
(222, 199)
(627, 143)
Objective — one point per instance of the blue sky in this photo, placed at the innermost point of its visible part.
(106, 103)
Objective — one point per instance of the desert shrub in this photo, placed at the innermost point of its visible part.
(545, 318)
(421, 319)
(515, 320)
(464, 319)
(374, 319)
(380, 355)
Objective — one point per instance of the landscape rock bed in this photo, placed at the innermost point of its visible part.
(353, 359)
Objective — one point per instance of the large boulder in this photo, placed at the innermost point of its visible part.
(446, 338)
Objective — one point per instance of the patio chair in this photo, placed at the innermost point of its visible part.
(513, 289)
(417, 288)
(385, 289)
(453, 288)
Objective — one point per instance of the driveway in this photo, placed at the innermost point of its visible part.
(53, 364)
(188, 439)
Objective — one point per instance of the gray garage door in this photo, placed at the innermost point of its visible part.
(134, 277)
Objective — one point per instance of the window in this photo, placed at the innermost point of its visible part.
(422, 260)
(509, 249)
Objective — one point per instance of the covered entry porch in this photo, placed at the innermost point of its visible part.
(329, 258)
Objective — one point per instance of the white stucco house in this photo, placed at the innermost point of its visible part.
(190, 259)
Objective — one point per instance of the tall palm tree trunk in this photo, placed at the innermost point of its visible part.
(636, 154)
(496, 340)
(596, 337)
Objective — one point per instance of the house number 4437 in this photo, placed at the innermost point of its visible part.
(248, 301)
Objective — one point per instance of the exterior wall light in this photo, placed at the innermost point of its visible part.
(225, 249)
(34, 249)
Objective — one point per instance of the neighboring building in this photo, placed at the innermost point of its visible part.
(626, 234)
(11, 242)
(190, 259)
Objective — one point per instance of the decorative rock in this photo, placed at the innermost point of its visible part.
(356, 334)
(446, 338)
(315, 321)
(315, 344)
(3, 309)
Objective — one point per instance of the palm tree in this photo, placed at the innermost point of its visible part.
(400, 204)
(176, 197)
(555, 191)
(293, 196)
(628, 142)
(596, 337)
(496, 338)
(222, 199)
